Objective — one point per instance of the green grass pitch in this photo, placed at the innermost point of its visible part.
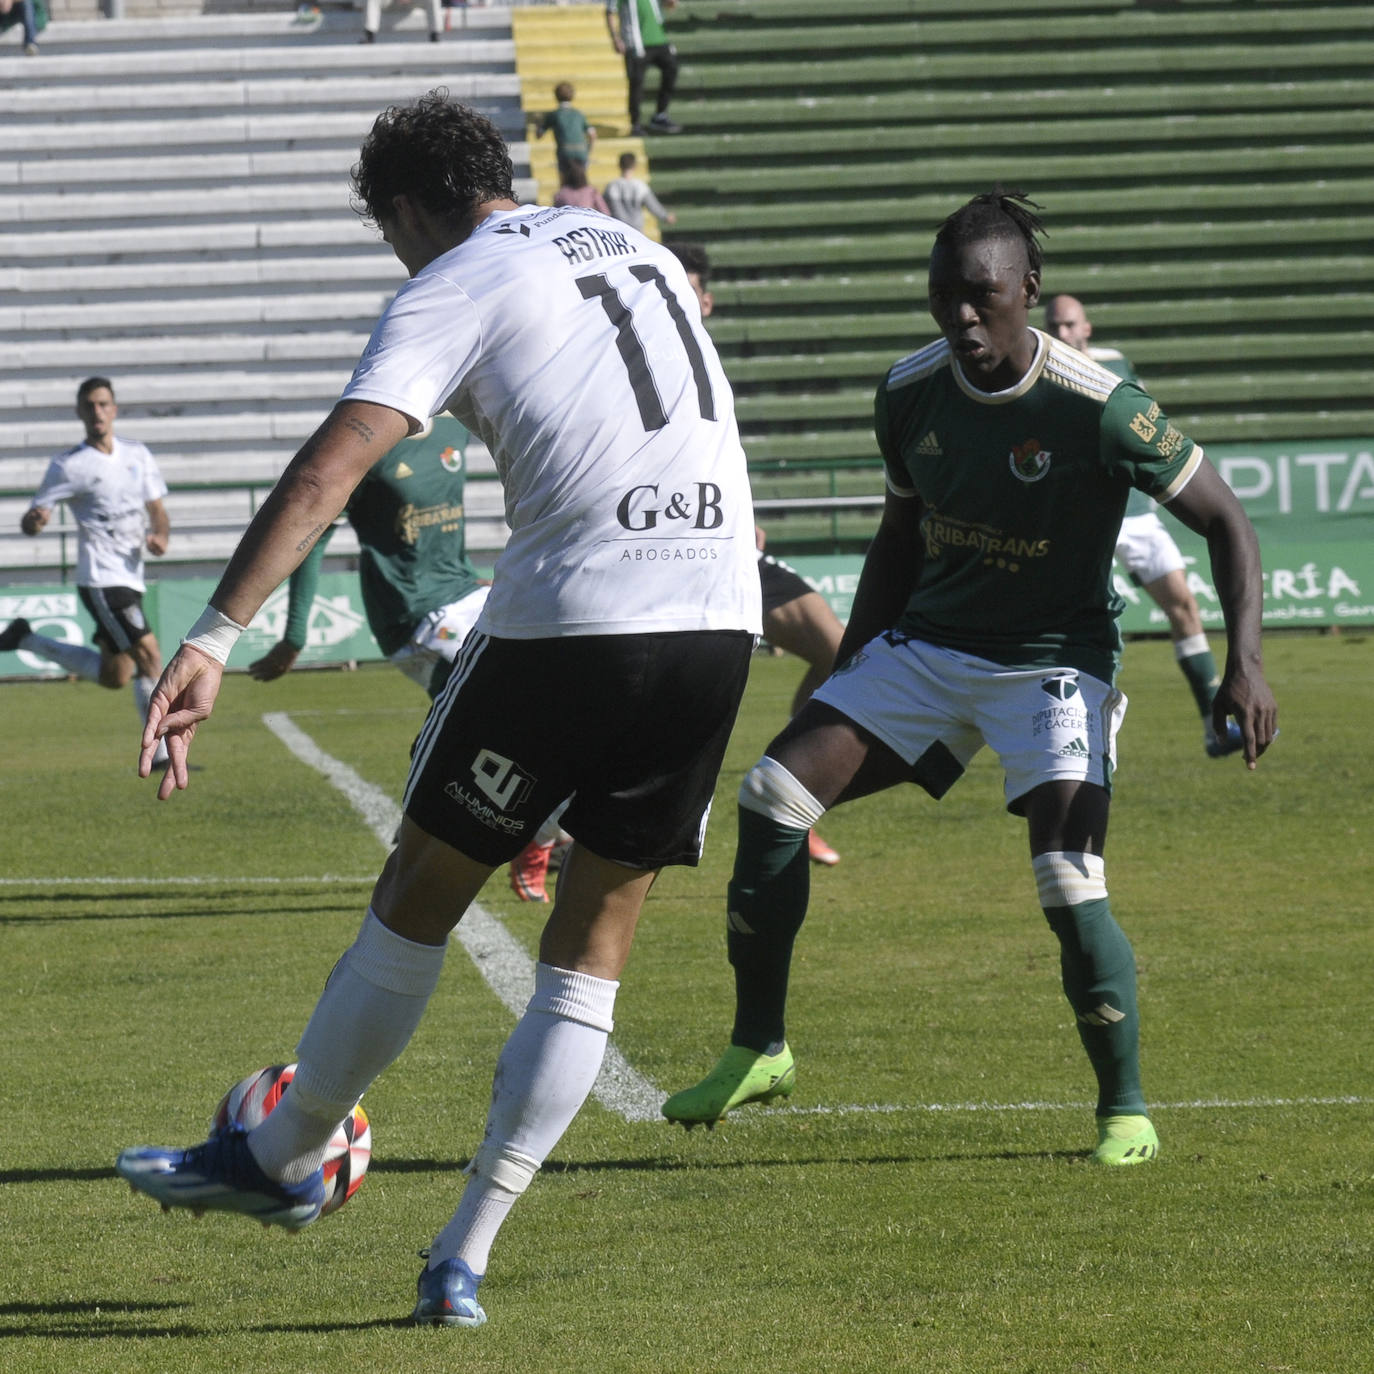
(152, 954)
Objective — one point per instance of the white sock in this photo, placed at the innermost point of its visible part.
(543, 1077)
(365, 1017)
(75, 658)
(143, 694)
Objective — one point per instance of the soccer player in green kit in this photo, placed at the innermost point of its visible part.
(985, 615)
(420, 593)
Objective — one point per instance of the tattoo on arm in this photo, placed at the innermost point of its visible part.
(310, 538)
(360, 428)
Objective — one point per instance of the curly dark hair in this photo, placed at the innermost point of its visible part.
(446, 156)
(693, 258)
(994, 214)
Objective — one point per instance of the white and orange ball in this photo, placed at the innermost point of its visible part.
(350, 1147)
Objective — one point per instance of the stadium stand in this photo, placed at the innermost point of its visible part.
(1206, 168)
(176, 214)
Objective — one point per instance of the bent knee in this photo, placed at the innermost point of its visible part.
(1069, 879)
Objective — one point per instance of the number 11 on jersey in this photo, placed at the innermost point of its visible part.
(647, 398)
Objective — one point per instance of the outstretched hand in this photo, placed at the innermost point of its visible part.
(1245, 695)
(275, 662)
(184, 696)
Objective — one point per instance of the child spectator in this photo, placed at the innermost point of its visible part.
(573, 137)
(576, 191)
(629, 196)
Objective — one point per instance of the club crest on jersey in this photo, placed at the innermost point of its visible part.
(1029, 462)
(452, 460)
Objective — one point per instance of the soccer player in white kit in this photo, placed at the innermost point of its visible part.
(114, 490)
(607, 663)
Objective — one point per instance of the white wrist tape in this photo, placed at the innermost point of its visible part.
(214, 634)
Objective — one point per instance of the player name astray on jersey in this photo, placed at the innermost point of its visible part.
(585, 243)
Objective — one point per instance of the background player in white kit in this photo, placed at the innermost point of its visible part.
(607, 664)
(115, 491)
(1147, 550)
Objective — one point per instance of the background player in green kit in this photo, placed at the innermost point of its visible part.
(985, 614)
(1147, 551)
(420, 593)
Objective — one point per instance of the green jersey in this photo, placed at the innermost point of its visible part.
(1022, 493)
(1117, 363)
(408, 514)
(570, 128)
(641, 24)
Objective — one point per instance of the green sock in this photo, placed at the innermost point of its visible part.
(1098, 967)
(767, 905)
(1200, 670)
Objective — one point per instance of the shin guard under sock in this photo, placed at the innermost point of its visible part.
(1098, 969)
(768, 896)
(543, 1077)
(1199, 669)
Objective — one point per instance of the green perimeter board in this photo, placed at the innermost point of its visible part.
(1313, 506)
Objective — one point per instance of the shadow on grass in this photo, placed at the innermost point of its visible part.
(164, 903)
(117, 1319)
(69, 1175)
(675, 1165)
(647, 1164)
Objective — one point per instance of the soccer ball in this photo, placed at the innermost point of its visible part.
(350, 1147)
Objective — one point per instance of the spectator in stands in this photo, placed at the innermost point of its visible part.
(1146, 549)
(575, 190)
(985, 615)
(637, 32)
(628, 196)
(372, 20)
(114, 490)
(31, 15)
(573, 137)
(796, 617)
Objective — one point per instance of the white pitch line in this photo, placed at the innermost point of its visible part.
(188, 880)
(934, 1108)
(499, 956)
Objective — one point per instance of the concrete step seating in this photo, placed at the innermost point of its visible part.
(176, 207)
(1048, 98)
(1206, 171)
(1219, 201)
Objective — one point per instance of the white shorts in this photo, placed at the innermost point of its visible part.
(935, 708)
(1146, 549)
(439, 636)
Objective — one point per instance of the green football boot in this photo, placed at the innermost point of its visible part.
(741, 1076)
(1125, 1140)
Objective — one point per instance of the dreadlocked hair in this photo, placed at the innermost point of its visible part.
(446, 156)
(998, 213)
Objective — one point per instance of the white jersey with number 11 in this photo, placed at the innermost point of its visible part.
(573, 346)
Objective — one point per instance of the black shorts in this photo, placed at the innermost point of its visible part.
(780, 583)
(632, 727)
(118, 616)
